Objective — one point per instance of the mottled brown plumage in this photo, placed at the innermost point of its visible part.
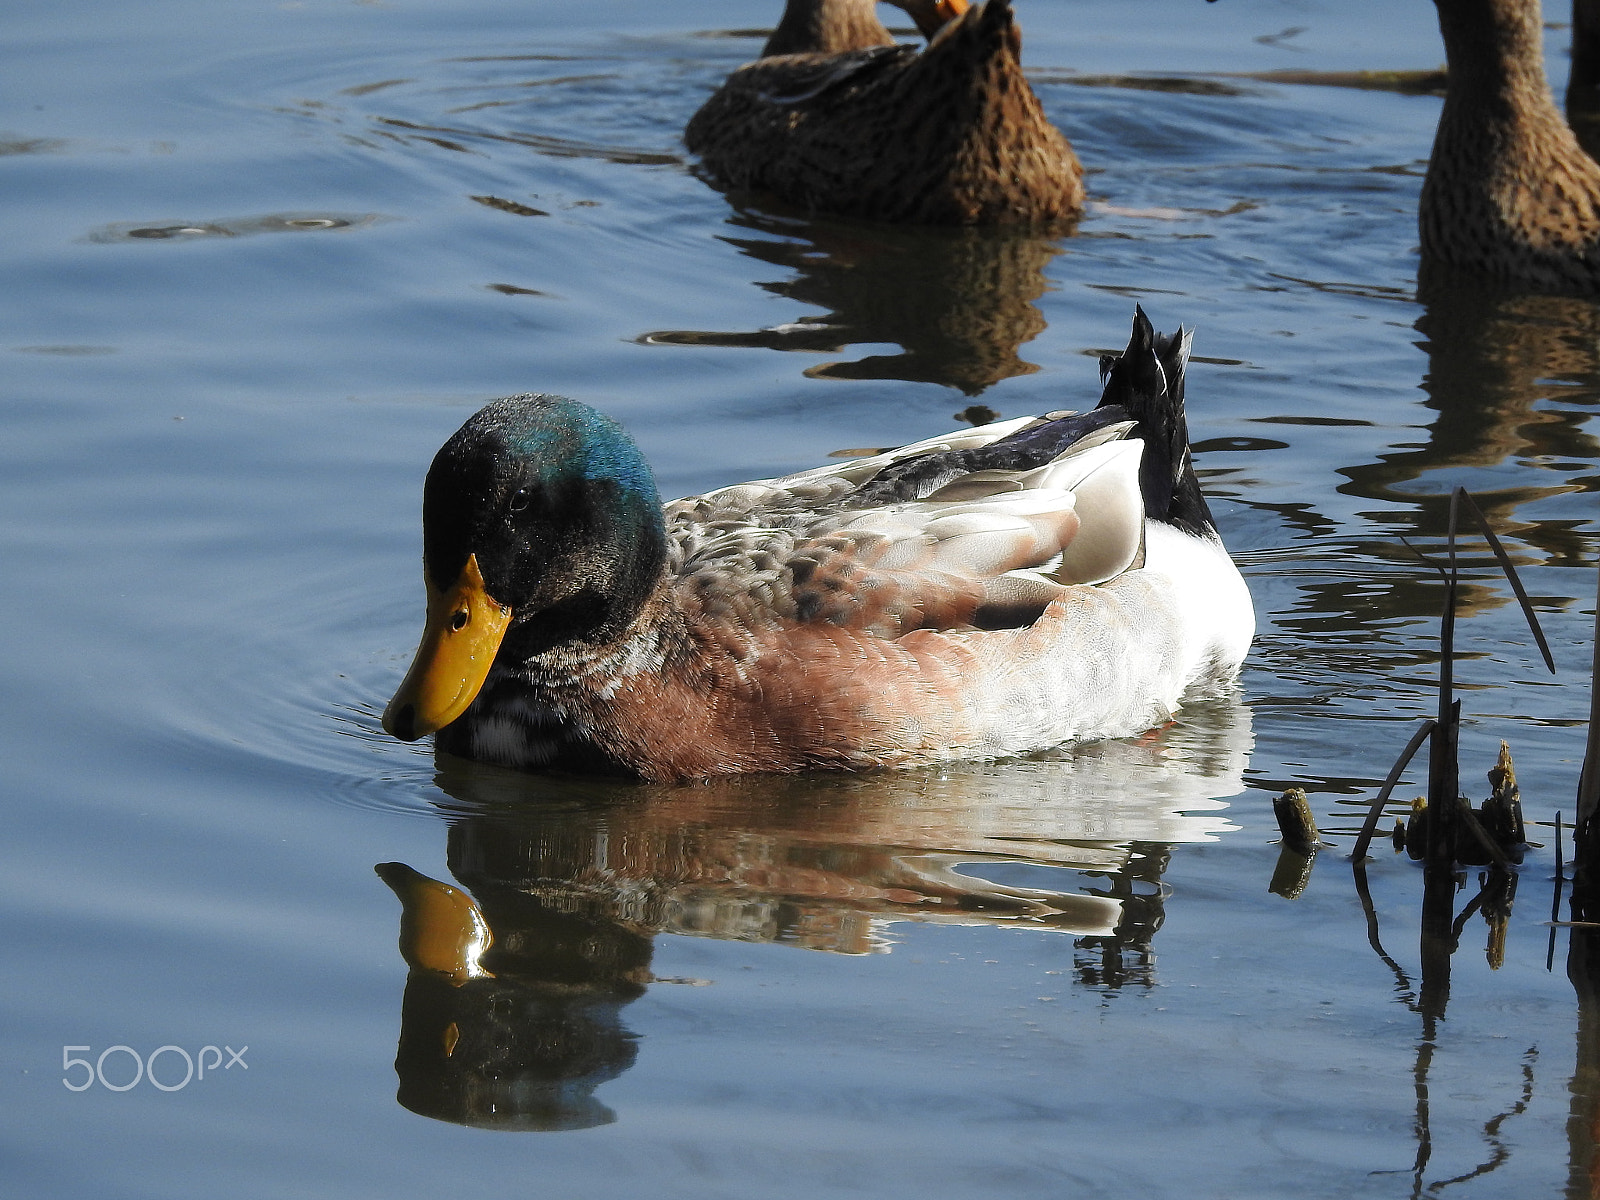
(1509, 192)
(952, 135)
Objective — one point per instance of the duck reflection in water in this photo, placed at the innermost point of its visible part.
(1512, 380)
(958, 302)
(523, 1048)
(1514, 376)
(513, 1008)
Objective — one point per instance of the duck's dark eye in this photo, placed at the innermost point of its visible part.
(519, 500)
(458, 620)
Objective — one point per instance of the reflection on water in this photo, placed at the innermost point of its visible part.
(1583, 1126)
(1442, 928)
(232, 227)
(523, 1048)
(616, 109)
(1123, 957)
(1513, 382)
(513, 1007)
(1148, 1001)
(959, 302)
(21, 145)
(1495, 361)
(460, 139)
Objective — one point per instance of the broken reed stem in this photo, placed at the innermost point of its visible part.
(1469, 821)
(1296, 822)
(1444, 782)
(1589, 780)
(1561, 876)
(1561, 866)
(1444, 773)
(1298, 825)
(1447, 811)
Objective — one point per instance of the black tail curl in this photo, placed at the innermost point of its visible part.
(1143, 384)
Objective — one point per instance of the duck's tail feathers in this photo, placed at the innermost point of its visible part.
(1145, 384)
(1142, 398)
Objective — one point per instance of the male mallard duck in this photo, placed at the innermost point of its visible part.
(989, 593)
(837, 118)
(1509, 192)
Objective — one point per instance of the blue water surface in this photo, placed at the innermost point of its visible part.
(262, 258)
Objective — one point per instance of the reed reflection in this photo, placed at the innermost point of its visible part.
(1442, 929)
(514, 1006)
(1583, 1125)
(958, 302)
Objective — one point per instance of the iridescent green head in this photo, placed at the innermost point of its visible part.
(541, 526)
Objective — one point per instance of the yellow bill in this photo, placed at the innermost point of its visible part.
(932, 15)
(464, 630)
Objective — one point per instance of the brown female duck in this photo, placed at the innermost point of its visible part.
(1509, 192)
(838, 118)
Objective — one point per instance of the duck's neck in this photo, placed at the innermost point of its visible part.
(827, 27)
(1495, 50)
(557, 706)
(656, 638)
(1509, 191)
